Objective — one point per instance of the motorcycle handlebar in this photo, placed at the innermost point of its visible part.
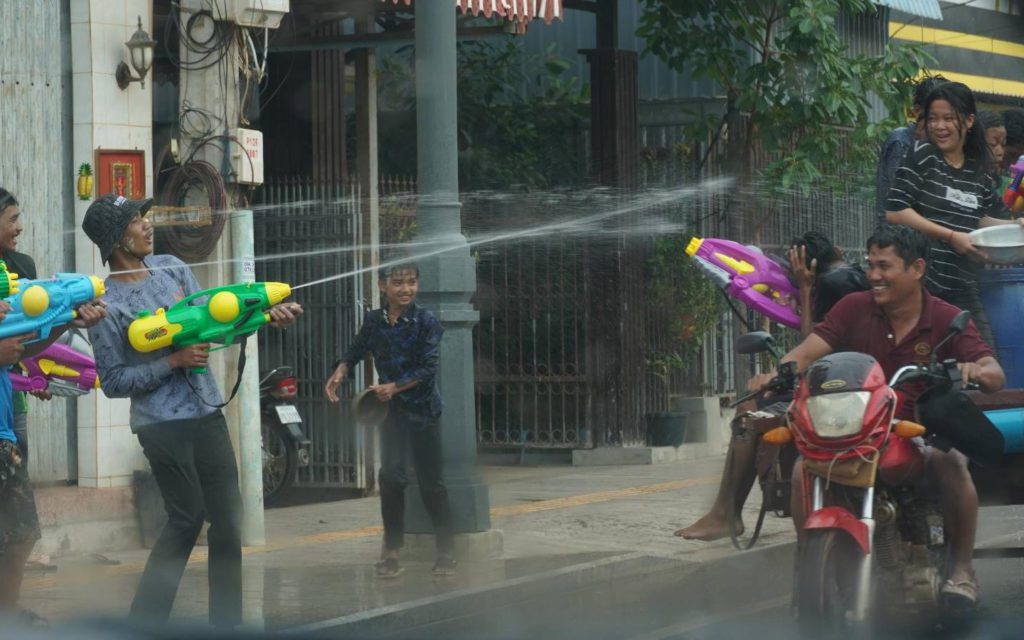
(783, 382)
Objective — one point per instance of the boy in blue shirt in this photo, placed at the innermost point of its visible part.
(404, 339)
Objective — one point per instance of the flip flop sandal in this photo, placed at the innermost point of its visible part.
(960, 595)
(445, 566)
(388, 568)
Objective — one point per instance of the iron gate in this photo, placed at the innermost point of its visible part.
(306, 231)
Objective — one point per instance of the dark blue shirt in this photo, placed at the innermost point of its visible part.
(894, 150)
(403, 352)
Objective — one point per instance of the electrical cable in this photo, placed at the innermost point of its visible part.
(192, 244)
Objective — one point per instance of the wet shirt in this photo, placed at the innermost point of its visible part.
(833, 285)
(6, 406)
(858, 324)
(954, 198)
(403, 352)
(158, 393)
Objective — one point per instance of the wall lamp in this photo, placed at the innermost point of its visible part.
(140, 53)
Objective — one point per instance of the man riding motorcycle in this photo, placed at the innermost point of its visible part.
(898, 323)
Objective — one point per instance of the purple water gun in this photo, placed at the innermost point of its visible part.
(747, 275)
(60, 369)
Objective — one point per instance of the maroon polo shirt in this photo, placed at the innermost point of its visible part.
(857, 323)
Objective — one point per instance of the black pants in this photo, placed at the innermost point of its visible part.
(194, 466)
(969, 300)
(397, 436)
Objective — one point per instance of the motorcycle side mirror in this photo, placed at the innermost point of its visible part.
(755, 342)
(956, 327)
(959, 322)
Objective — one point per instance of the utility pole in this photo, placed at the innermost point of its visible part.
(447, 280)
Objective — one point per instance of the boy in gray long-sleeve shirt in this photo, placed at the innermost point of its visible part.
(175, 413)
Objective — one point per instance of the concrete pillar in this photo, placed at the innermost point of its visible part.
(447, 280)
(250, 450)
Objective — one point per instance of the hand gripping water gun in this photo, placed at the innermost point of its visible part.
(746, 274)
(37, 306)
(1013, 197)
(62, 369)
(230, 312)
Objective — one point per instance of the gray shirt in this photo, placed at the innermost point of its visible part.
(158, 393)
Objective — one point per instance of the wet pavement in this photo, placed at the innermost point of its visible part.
(575, 540)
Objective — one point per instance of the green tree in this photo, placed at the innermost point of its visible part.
(783, 65)
(519, 117)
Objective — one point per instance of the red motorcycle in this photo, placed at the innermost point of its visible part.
(873, 551)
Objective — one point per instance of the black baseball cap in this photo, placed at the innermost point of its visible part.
(107, 218)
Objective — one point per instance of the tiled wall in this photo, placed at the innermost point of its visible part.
(104, 116)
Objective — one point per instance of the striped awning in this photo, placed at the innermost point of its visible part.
(517, 10)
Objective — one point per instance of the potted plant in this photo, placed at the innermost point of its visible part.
(665, 427)
(688, 305)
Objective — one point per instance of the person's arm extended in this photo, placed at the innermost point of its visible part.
(986, 372)
(958, 240)
(812, 348)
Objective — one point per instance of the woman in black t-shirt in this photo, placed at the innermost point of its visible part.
(943, 189)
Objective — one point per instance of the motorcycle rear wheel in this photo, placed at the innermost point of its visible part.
(826, 586)
(280, 461)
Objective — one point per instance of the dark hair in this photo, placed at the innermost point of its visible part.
(1013, 120)
(818, 247)
(990, 120)
(385, 272)
(961, 98)
(909, 243)
(7, 199)
(924, 87)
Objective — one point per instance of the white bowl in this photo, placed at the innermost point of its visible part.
(1003, 244)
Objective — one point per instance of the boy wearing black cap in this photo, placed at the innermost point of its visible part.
(175, 413)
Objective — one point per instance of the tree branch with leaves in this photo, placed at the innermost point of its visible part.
(783, 66)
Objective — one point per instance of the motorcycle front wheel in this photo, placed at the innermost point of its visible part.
(280, 461)
(826, 586)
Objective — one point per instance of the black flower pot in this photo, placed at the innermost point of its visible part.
(666, 429)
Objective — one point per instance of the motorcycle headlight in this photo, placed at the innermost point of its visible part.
(837, 415)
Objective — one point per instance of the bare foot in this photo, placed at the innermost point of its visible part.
(713, 526)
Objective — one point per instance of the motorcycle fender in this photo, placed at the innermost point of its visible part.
(839, 518)
(295, 433)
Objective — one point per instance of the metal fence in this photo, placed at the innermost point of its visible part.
(307, 231)
(564, 321)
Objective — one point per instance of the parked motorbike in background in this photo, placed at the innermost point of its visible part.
(285, 446)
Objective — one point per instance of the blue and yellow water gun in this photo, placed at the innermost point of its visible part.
(37, 306)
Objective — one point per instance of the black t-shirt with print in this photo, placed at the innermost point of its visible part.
(954, 198)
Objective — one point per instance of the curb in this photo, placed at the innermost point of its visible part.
(704, 586)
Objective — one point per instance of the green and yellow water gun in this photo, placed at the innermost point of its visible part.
(230, 312)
